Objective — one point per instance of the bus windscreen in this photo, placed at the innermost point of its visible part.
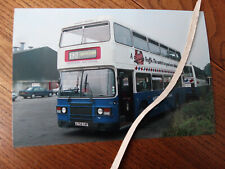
(88, 83)
(85, 34)
(187, 71)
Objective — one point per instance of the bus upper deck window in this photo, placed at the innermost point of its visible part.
(153, 46)
(164, 50)
(178, 55)
(122, 35)
(140, 41)
(71, 37)
(172, 54)
(96, 33)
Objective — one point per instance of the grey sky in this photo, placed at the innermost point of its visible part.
(41, 27)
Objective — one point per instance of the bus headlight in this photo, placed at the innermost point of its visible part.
(104, 111)
(100, 111)
(63, 110)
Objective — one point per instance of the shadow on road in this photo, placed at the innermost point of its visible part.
(149, 127)
(99, 134)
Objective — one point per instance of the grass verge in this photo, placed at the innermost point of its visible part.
(193, 118)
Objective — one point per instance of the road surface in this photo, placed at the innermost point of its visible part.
(35, 123)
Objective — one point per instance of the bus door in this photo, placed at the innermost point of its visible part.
(125, 92)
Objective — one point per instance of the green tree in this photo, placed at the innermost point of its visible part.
(207, 69)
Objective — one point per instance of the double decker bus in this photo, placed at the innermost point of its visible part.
(195, 80)
(109, 73)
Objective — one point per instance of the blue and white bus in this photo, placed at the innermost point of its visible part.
(109, 72)
(194, 80)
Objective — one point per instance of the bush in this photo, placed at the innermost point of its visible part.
(194, 118)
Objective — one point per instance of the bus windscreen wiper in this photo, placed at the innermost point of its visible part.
(87, 88)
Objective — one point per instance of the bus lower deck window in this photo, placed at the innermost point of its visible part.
(143, 82)
(157, 82)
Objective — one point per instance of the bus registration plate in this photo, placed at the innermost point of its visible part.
(187, 85)
(81, 124)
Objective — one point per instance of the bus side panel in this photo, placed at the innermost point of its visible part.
(180, 95)
(146, 98)
(201, 90)
(176, 97)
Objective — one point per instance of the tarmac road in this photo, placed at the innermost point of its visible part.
(35, 123)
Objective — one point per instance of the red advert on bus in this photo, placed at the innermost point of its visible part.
(138, 57)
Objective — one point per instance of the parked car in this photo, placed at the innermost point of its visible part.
(14, 96)
(55, 91)
(32, 92)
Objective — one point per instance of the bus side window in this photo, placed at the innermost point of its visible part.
(172, 54)
(123, 82)
(157, 82)
(140, 41)
(153, 47)
(164, 50)
(143, 82)
(166, 80)
(122, 35)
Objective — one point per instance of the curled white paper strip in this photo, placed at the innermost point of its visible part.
(167, 90)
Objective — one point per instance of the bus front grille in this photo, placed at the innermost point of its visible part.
(81, 112)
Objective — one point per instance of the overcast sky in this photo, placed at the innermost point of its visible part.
(42, 27)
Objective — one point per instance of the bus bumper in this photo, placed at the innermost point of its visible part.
(91, 125)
